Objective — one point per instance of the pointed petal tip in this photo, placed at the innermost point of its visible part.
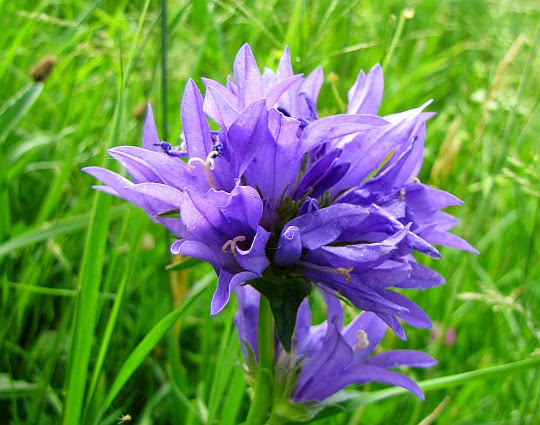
(216, 307)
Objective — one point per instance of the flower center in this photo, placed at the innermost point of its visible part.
(208, 165)
(233, 244)
(362, 340)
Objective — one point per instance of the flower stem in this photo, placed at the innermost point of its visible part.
(262, 400)
(266, 336)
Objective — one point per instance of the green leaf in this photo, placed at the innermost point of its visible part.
(169, 214)
(285, 296)
(14, 110)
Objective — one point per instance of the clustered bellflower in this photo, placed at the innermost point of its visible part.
(285, 201)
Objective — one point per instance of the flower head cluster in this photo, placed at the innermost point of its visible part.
(285, 201)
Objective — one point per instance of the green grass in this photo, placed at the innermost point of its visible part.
(93, 325)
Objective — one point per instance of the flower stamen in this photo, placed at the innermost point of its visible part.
(345, 271)
(233, 244)
(362, 340)
(208, 165)
(402, 193)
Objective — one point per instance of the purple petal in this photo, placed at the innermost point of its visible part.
(277, 91)
(420, 277)
(218, 108)
(362, 255)
(394, 324)
(368, 373)
(247, 134)
(151, 139)
(396, 358)
(247, 318)
(289, 247)
(285, 70)
(415, 316)
(316, 173)
(389, 273)
(322, 368)
(324, 226)
(226, 283)
(195, 249)
(316, 133)
(243, 205)
(247, 77)
(335, 174)
(365, 96)
(276, 165)
(368, 148)
(161, 192)
(439, 237)
(194, 124)
(153, 167)
(312, 84)
(229, 95)
(203, 218)
(373, 326)
(303, 323)
(254, 259)
(424, 201)
(334, 310)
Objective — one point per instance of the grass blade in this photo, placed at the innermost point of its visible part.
(83, 333)
(433, 384)
(55, 228)
(149, 342)
(16, 108)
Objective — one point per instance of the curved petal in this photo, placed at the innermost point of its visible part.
(226, 283)
(289, 247)
(396, 358)
(254, 259)
(195, 249)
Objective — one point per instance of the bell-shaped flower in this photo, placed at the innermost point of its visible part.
(329, 357)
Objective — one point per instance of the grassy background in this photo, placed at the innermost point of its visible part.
(83, 276)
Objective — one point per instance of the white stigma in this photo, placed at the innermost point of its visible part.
(362, 340)
(208, 165)
(232, 243)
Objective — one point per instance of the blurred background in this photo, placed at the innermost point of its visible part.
(72, 263)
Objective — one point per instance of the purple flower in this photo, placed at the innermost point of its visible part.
(329, 357)
(283, 199)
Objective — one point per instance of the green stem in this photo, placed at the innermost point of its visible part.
(266, 335)
(164, 36)
(405, 14)
(262, 400)
(434, 384)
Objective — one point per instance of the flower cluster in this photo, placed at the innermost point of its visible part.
(285, 201)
